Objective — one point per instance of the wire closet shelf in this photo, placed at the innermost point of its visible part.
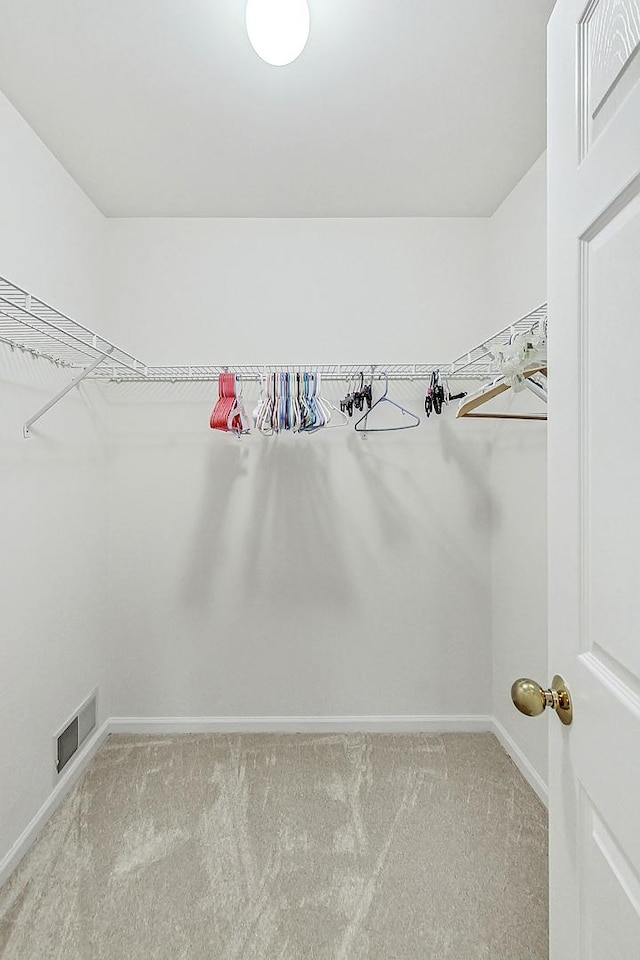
(33, 326)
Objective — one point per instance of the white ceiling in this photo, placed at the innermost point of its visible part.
(395, 107)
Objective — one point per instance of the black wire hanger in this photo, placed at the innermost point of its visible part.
(385, 399)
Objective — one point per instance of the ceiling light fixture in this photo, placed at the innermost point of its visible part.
(278, 29)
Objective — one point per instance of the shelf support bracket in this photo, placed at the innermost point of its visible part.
(26, 430)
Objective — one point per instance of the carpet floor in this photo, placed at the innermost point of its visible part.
(287, 847)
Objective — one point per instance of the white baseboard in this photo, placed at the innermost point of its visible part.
(66, 781)
(357, 724)
(533, 778)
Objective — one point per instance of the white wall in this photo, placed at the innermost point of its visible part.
(52, 487)
(297, 291)
(309, 575)
(519, 482)
(518, 248)
(52, 575)
(321, 575)
(51, 235)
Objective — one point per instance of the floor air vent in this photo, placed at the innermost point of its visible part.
(76, 732)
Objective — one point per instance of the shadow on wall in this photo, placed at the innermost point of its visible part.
(455, 447)
(274, 525)
(312, 523)
(297, 547)
(212, 537)
(417, 496)
(379, 479)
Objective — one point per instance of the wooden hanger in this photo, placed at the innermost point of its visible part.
(494, 389)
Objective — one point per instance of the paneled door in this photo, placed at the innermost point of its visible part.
(594, 476)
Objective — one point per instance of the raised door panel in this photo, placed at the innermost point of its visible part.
(611, 468)
(610, 61)
(610, 892)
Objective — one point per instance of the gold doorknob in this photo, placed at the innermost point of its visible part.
(530, 699)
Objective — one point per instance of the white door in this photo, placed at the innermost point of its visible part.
(594, 476)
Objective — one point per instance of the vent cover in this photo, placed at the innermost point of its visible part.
(76, 732)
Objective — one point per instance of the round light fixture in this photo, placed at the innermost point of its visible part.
(278, 29)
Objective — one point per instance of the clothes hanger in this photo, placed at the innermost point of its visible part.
(435, 398)
(282, 401)
(297, 416)
(448, 396)
(439, 394)
(311, 387)
(318, 416)
(363, 395)
(329, 410)
(263, 414)
(307, 411)
(322, 414)
(346, 405)
(385, 399)
(238, 420)
(229, 414)
(291, 400)
(537, 384)
(326, 409)
(494, 389)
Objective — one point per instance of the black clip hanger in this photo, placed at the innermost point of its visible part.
(347, 405)
(438, 395)
(358, 396)
(367, 392)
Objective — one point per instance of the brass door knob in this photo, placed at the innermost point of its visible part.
(530, 699)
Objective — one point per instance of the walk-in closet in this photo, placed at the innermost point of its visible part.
(316, 607)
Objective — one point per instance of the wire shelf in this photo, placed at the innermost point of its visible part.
(333, 371)
(480, 362)
(31, 325)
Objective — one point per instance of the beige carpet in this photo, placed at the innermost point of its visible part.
(275, 847)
